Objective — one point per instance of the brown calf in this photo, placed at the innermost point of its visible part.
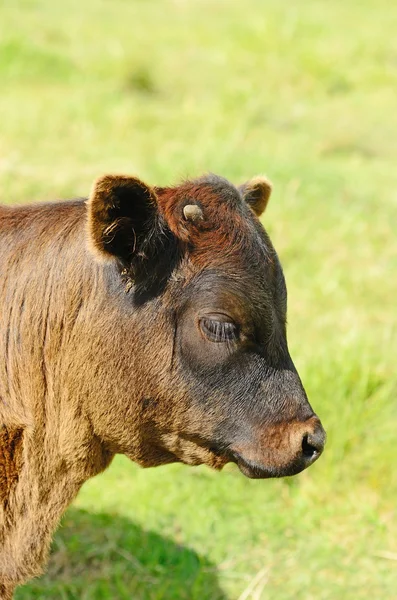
(144, 321)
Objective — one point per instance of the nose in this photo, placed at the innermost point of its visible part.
(313, 441)
(281, 450)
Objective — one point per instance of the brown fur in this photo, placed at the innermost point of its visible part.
(39, 342)
(224, 225)
(10, 460)
(6, 592)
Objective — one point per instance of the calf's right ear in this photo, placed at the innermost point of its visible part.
(121, 214)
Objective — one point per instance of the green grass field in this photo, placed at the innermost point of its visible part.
(306, 93)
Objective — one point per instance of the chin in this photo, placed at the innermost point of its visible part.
(205, 457)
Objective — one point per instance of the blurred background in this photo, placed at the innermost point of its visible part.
(306, 93)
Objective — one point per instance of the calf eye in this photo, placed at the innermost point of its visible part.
(218, 331)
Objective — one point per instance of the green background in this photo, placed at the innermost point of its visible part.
(306, 93)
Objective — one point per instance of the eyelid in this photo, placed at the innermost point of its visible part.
(217, 316)
(218, 331)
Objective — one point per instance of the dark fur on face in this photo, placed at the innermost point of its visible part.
(146, 321)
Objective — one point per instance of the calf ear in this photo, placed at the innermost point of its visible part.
(122, 212)
(256, 193)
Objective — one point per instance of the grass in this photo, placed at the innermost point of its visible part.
(306, 93)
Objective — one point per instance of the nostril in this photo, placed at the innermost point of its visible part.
(308, 449)
(313, 441)
(313, 444)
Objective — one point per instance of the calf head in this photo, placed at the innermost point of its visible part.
(206, 375)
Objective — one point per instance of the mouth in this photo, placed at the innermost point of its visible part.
(254, 470)
(217, 456)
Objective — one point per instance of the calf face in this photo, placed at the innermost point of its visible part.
(205, 289)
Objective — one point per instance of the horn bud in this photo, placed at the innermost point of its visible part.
(192, 212)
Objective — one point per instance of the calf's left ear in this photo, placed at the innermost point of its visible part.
(121, 215)
(256, 192)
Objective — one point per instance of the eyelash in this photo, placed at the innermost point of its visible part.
(218, 331)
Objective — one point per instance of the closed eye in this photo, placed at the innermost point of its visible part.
(218, 331)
